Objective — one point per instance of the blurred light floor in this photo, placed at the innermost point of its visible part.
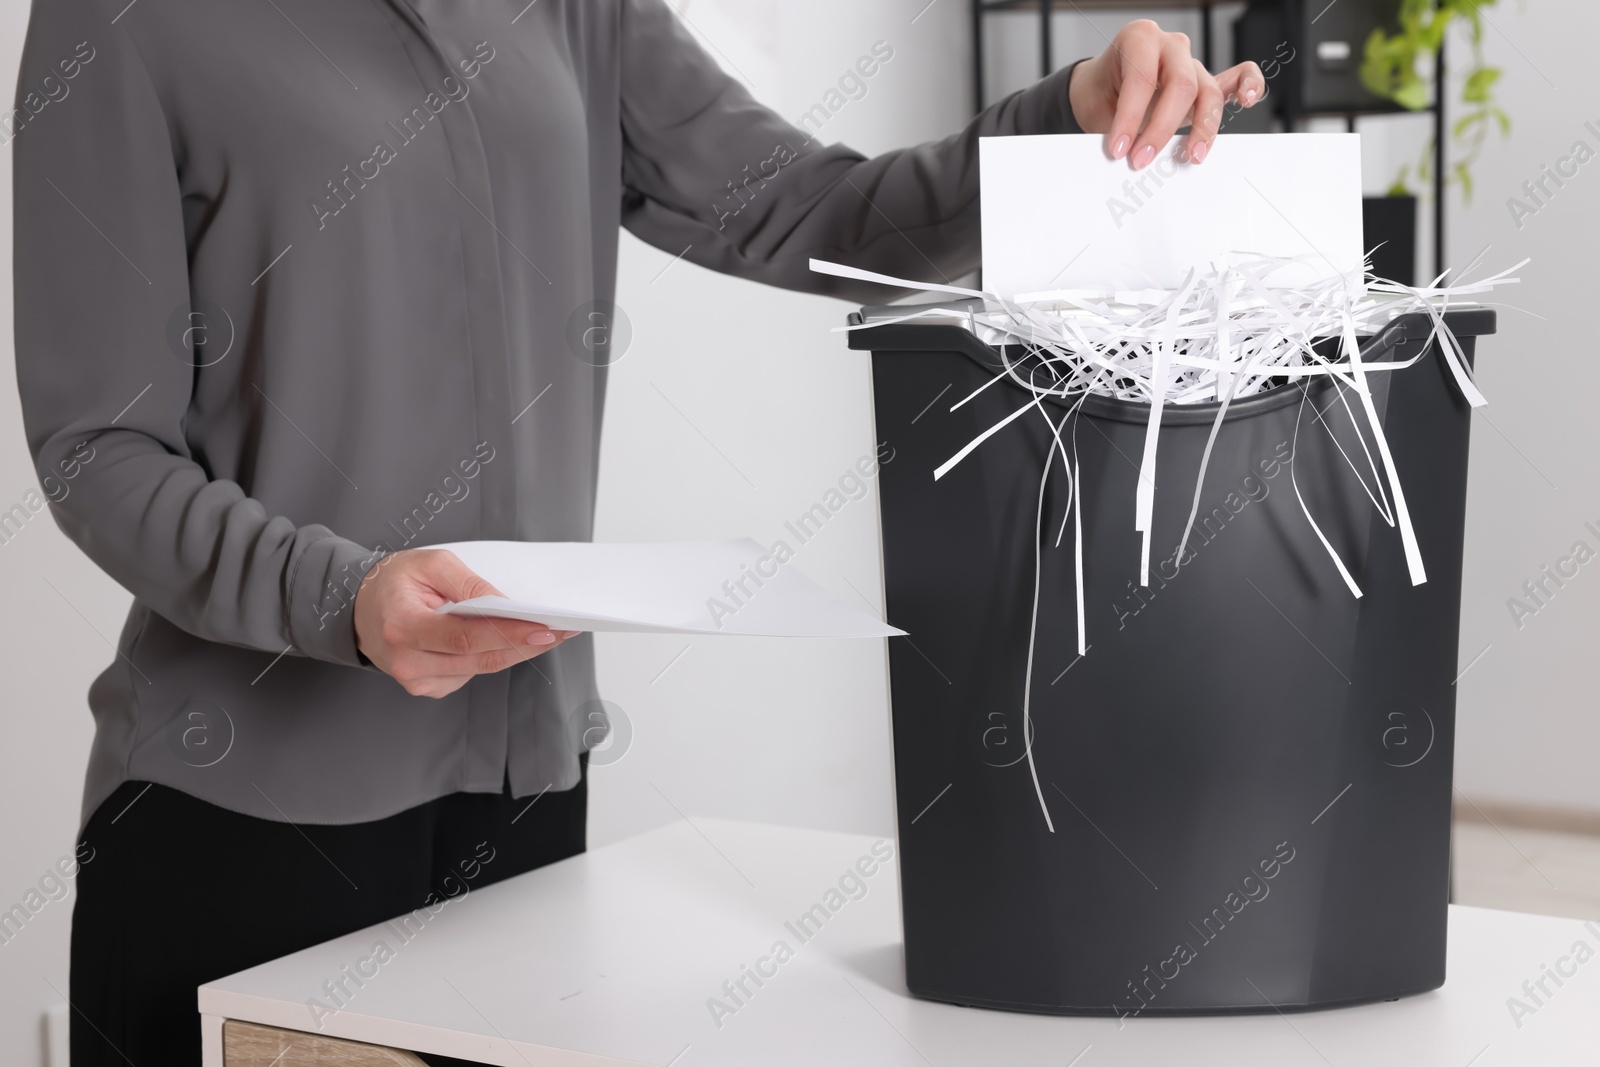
(1515, 868)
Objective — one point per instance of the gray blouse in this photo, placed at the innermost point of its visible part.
(288, 277)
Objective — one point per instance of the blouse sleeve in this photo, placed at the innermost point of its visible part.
(706, 166)
(101, 272)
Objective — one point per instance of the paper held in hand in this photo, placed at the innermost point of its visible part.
(699, 587)
(1059, 214)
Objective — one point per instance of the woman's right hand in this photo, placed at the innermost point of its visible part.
(430, 654)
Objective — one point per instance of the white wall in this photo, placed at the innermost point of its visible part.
(789, 732)
(796, 733)
(1530, 709)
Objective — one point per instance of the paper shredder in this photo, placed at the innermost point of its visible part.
(1249, 772)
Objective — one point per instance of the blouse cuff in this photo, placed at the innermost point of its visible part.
(322, 599)
(1046, 106)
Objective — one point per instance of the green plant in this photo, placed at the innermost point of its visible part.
(1389, 68)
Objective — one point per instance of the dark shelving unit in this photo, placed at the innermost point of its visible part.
(1045, 8)
(983, 10)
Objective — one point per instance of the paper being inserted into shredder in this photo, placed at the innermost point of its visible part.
(1058, 213)
(698, 587)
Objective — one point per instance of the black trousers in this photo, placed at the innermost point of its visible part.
(178, 892)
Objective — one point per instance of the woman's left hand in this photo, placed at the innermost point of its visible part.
(1147, 84)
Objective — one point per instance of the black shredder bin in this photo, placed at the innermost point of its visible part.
(1249, 772)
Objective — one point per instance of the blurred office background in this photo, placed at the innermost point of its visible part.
(735, 410)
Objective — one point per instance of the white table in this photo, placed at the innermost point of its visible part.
(609, 958)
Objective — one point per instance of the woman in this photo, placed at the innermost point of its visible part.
(290, 277)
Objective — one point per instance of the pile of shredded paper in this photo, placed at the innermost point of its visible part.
(1227, 332)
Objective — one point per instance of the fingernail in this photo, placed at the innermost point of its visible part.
(1142, 158)
(1249, 97)
(570, 633)
(1120, 147)
(543, 637)
(1197, 151)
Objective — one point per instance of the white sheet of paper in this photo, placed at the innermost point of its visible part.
(668, 587)
(1059, 214)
